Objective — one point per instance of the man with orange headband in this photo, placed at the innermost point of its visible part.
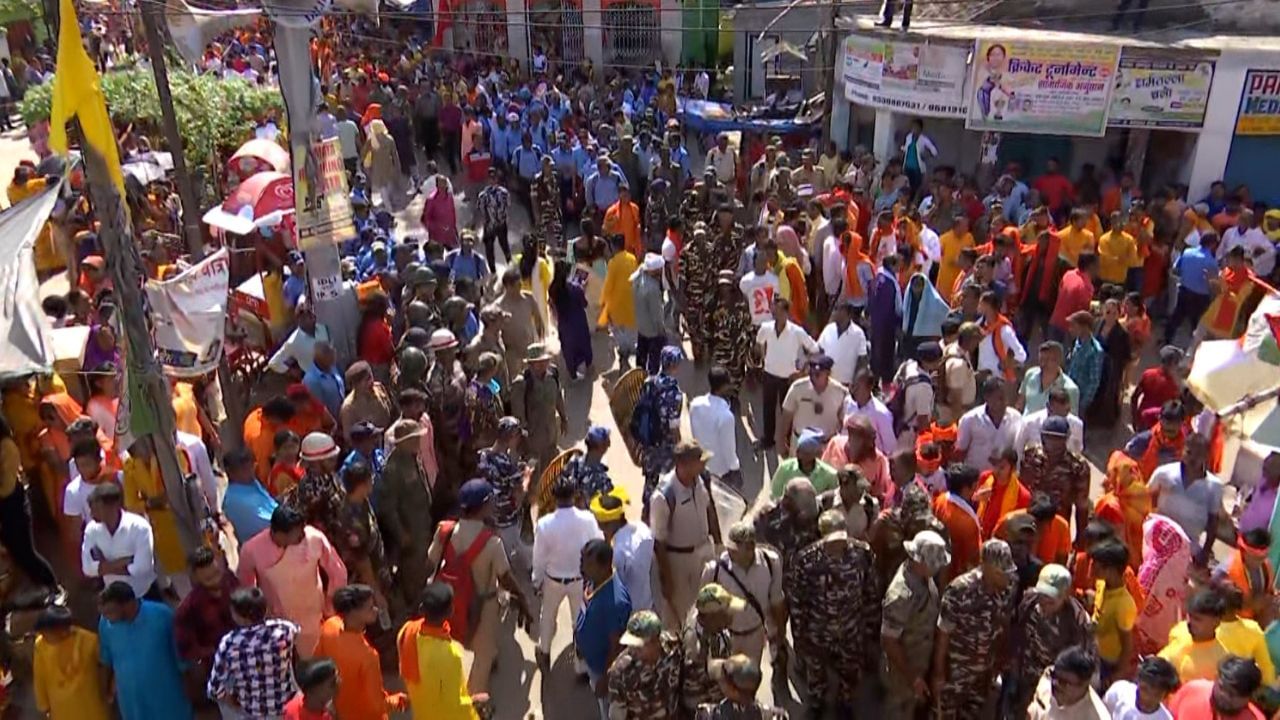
(1249, 570)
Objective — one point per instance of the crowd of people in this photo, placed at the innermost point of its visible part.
(929, 540)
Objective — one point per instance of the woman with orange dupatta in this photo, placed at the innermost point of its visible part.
(431, 661)
(1126, 492)
(57, 411)
(1000, 492)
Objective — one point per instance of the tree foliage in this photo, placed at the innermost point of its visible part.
(214, 113)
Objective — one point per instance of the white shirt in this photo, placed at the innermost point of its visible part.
(633, 562)
(784, 352)
(1251, 241)
(1190, 507)
(198, 453)
(923, 145)
(977, 437)
(715, 428)
(846, 349)
(833, 266)
(1029, 433)
(881, 419)
(300, 348)
(1122, 701)
(987, 359)
(931, 245)
(723, 162)
(132, 538)
(558, 543)
(759, 290)
(349, 139)
(75, 497)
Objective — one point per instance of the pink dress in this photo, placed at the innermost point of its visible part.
(440, 218)
(1166, 557)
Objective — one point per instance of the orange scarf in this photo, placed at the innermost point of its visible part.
(1150, 459)
(993, 331)
(991, 508)
(1230, 300)
(407, 643)
(1127, 493)
(875, 241)
(853, 257)
(1238, 576)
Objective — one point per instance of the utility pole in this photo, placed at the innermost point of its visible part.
(124, 265)
(151, 16)
(832, 54)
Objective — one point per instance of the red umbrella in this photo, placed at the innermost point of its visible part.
(261, 200)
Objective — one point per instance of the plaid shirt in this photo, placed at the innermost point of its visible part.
(254, 665)
(494, 203)
(203, 619)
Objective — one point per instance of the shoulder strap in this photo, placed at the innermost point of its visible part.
(476, 547)
(751, 599)
(445, 531)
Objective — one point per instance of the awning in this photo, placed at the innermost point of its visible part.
(27, 345)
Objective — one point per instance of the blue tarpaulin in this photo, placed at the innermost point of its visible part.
(710, 117)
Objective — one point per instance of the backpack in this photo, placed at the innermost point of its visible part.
(455, 571)
(897, 403)
(646, 419)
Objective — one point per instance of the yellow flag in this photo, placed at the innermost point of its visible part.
(77, 92)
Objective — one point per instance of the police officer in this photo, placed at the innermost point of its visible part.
(909, 616)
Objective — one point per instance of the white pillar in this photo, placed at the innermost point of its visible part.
(671, 24)
(593, 32)
(882, 143)
(1209, 162)
(841, 116)
(518, 31)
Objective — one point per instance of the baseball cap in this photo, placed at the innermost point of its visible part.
(738, 669)
(821, 362)
(474, 493)
(643, 626)
(1054, 581)
(928, 548)
(597, 434)
(714, 599)
(363, 430)
(1055, 426)
(930, 351)
(740, 533)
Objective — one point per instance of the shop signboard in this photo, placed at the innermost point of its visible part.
(1049, 88)
(913, 78)
(1161, 91)
(1260, 104)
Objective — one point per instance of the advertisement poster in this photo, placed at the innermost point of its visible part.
(324, 212)
(1041, 87)
(907, 77)
(1161, 92)
(188, 314)
(1260, 104)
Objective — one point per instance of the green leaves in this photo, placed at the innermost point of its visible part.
(214, 114)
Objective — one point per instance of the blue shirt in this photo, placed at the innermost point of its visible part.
(604, 614)
(647, 159)
(143, 656)
(503, 140)
(248, 506)
(602, 190)
(565, 161)
(527, 160)
(294, 287)
(470, 265)
(1194, 268)
(327, 386)
(680, 156)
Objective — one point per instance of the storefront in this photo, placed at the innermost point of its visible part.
(993, 96)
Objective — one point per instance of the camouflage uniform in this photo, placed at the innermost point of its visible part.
(732, 337)
(897, 525)
(777, 529)
(1063, 481)
(1037, 640)
(446, 403)
(698, 275)
(545, 192)
(640, 691)
(910, 614)
(590, 477)
(658, 208)
(658, 459)
(974, 618)
(321, 499)
(729, 710)
(484, 409)
(700, 647)
(728, 248)
(835, 617)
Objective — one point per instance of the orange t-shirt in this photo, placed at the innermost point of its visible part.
(961, 523)
(361, 693)
(1054, 544)
(260, 438)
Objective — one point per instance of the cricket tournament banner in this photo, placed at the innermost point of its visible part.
(1155, 91)
(1047, 88)
(1260, 104)
(188, 314)
(913, 78)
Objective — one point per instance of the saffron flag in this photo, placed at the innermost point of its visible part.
(77, 93)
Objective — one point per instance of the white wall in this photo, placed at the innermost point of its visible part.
(517, 31)
(1209, 163)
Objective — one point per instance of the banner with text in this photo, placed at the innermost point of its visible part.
(1260, 104)
(1041, 87)
(907, 77)
(324, 211)
(188, 314)
(1156, 91)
